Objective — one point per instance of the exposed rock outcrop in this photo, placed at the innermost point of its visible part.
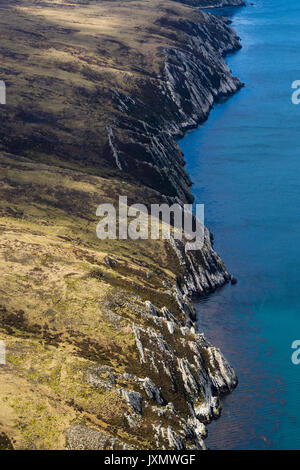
(194, 76)
(192, 373)
(82, 437)
(105, 352)
(204, 269)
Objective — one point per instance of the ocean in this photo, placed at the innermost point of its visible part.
(245, 165)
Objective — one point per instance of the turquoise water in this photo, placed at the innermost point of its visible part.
(245, 163)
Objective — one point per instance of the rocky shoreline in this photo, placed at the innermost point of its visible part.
(188, 87)
(105, 353)
(194, 76)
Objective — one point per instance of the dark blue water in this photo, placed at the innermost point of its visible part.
(245, 163)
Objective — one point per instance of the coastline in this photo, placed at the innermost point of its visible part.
(259, 318)
(170, 379)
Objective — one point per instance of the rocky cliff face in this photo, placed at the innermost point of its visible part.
(102, 350)
(193, 77)
(204, 271)
(181, 362)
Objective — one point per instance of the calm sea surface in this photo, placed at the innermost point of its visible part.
(245, 163)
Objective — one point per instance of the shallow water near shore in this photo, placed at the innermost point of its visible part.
(245, 164)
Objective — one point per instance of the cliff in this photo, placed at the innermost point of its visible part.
(214, 3)
(100, 343)
(193, 76)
